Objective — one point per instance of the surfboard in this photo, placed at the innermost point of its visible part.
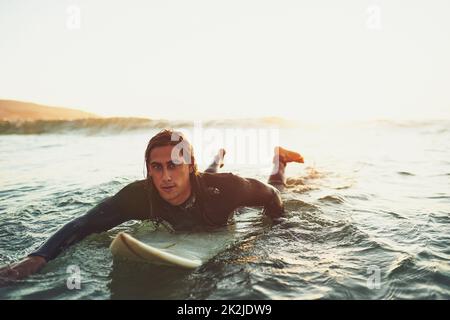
(126, 246)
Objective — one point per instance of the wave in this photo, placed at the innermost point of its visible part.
(125, 124)
(409, 123)
(120, 124)
(333, 199)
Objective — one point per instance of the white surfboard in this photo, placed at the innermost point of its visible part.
(125, 246)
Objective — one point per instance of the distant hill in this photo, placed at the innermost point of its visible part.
(11, 110)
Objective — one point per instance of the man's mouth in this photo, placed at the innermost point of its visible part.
(168, 188)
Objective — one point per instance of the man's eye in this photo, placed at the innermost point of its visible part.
(171, 166)
(156, 167)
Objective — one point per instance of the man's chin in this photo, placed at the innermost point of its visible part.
(168, 197)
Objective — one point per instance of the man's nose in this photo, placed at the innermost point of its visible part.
(166, 175)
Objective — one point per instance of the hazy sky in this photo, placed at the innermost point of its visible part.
(310, 60)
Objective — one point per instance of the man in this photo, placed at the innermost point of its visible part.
(174, 193)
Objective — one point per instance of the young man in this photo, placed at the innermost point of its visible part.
(174, 193)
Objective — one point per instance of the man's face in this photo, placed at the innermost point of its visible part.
(170, 176)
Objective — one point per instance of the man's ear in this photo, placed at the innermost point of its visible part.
(191, 169)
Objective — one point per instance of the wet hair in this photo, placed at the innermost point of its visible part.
(169, 137)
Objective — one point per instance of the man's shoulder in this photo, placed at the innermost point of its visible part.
(222, 180)
(138, 186)
(132, 200)
(133, 194)
(219, 176)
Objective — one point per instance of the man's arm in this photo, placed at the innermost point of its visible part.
(102, 217)
(129, 203)
(250, 192)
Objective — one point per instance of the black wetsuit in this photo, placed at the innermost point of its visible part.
(214, 199)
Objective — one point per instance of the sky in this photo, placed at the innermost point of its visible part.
(317, 60)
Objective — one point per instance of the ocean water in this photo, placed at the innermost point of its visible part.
(367, 216)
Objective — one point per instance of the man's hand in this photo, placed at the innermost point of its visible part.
(21, 269)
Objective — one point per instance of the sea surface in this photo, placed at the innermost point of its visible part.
(367, 215)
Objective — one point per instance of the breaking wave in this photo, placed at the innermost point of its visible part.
(118, 125)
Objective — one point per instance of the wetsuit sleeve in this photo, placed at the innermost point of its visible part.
(250, 192)
(127, 204)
